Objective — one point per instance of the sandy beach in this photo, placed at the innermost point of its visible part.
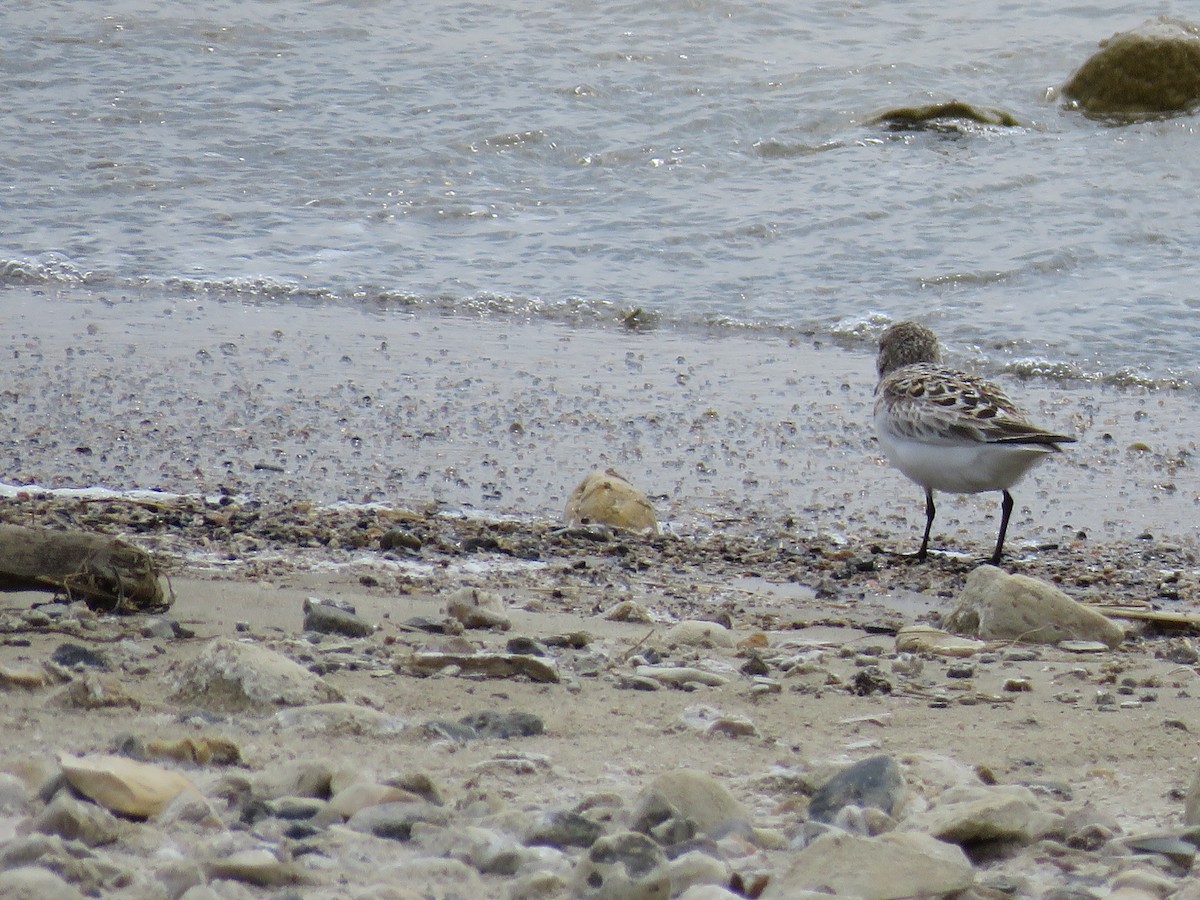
(284, 466)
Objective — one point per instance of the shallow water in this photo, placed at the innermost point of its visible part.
(704, 160)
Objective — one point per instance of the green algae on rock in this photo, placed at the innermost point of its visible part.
(1152, 70)
(942, 116)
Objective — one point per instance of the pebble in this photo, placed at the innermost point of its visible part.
(622, 866)
(325, 617)
(681, 676)
(875, 781)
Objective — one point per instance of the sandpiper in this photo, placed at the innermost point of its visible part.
(950, 431)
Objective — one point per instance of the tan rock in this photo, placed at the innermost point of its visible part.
(606, 498)
(887, 867)
(997, 606)
(689, 796)
(123, 785)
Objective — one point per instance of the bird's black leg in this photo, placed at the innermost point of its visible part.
(929, 512)
(1006, 508)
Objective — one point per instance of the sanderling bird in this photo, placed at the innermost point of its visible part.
(950, 431)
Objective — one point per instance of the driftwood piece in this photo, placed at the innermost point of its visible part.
(1161, 618)
(105, 572)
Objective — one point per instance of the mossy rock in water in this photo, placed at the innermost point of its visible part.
(940, 116)
(1152, 70)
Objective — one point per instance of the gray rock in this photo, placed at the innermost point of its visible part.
(489, 852)
(562, 828)
(396, 820)
(975, 814)
(326, 618)
(295, 779)
(76, 820)
(71, 655)
(888, 867)
(231, 676)
(487, 723)
(997, 606)
(873, 782)
(622, 866)
(35, 883)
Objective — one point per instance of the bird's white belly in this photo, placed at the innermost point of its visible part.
(961, 468)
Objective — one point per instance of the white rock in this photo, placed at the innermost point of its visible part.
(997, 606)
(478, 609)
(697, 633)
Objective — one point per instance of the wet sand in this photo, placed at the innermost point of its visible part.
(503, 417)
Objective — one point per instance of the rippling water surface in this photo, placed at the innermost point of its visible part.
(708, 161)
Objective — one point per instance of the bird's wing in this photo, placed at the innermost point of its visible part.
(941, 406)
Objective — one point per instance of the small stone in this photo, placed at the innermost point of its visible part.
(699, 634)
(71, 655)
(875, 781)
(963, 670)
(257, 867)
(870, 681)
(74, 819)
(491, 723)
(562, 828)
(622, 866)
(1018, 685)
(630, 611)
(926, 639)
(680, 676)
(395, 820)
(688, 796)
(491, 665)
(326, 618)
